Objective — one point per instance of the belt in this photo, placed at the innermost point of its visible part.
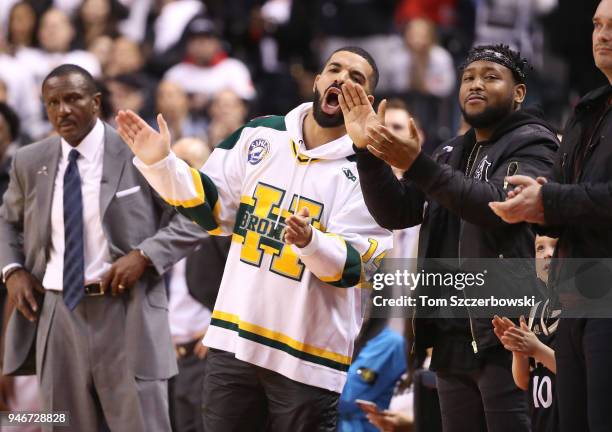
(95, 289)
(186, 349)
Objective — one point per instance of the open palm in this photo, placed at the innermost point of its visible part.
(359, 114)
(145, 142)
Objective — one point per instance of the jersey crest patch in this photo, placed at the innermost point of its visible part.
(258, 150)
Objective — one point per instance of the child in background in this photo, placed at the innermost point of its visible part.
(533, 358)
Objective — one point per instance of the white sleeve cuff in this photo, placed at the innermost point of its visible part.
(159, 164)
(7, 267)
(312, 247)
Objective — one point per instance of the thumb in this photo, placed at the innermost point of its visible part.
(382, 109)
(542, 180)
(163, 127)
(304, 212)
(414, 133)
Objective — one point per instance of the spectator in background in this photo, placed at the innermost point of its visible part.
(126, 57)
(22, 26)
(227, 112)
(341, 23)
(513, 22)
(18, 89)
(207, 69)
(423, 66)
(172, 102)
(16, 393)
(56, 34)
(102, 48)
(9, 134)
(424, 74)
(131, 91)
(95, 18)
(193, 285)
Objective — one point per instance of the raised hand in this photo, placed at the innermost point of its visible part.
(358, 113)
(399, 152)
(145, 142)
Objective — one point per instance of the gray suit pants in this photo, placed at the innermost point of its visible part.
(84, 369)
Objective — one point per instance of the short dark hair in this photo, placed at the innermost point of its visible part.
(68, 69)
(12, 119)
(361, 53)
(503, 55)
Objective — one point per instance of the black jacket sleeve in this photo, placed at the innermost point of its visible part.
(577, 204)
(469, 198)
(393, 203)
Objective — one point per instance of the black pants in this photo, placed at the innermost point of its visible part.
(186, 395)
(239, 396)
(584, 380)
(485, 400)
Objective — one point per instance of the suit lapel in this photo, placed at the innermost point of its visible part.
(45, 180)
(112, 168)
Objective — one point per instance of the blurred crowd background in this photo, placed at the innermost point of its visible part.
(208, 65)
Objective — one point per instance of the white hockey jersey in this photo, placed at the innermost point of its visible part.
(294, 311)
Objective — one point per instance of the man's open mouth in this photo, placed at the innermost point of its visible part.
(331, 105)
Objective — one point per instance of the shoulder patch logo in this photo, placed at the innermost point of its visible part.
(483, 170)
(258, 150)
(349, 174)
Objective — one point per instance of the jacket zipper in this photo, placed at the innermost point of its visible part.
(468, 172)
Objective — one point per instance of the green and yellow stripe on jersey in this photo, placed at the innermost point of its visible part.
(280, 341)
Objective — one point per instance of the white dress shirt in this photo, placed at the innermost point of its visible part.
(188, 317)
(95, 246)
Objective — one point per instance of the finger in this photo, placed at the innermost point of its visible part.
(518, 190)
(29, 297)
(376, 138)
(163, 127)
(22, 306)
(542, 180)
(134, 123)
(352, 90)
(386, 134)
(297, 224)
(343, 106)
(348, 98)
(520, 180)
(361, 95)
(129, 140)
(376, 153)
(414, 132)
(508, 322)
(382, 110)
(304, 212)
(107, 278)
(117, 278)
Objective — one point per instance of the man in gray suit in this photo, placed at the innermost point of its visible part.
(83, 242)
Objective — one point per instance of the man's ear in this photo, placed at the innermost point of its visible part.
(97, 102)
(520, 91)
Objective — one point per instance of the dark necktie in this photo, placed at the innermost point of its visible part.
(74, 260)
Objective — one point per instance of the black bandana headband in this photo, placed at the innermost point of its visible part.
(497, 54)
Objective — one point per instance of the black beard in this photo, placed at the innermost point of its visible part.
(490, 116)
(325, 120)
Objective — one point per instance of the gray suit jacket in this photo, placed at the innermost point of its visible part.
(138, 220)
